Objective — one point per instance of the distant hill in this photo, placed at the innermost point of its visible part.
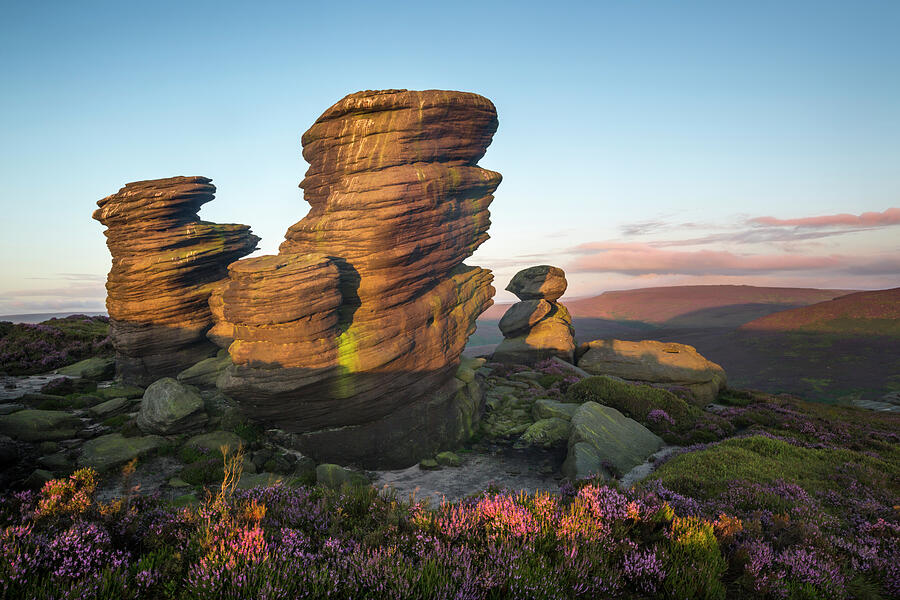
(690, 305)
(862, 313)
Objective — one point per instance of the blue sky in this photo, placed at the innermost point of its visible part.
(640, 142)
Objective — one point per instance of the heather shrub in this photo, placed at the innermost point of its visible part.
(27, 348)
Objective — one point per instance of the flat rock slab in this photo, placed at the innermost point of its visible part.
(477, 472)
(94, 369)
(40, 425)
(214, 440)
(114, 450)
(14, 387)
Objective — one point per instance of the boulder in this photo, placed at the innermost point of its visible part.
(610, 438)
(542, 281)
(655, 362)
(165, 261)
(94, 369)
(40, 425)
(114, 450)
(522, 316)
(351, 335)
(255, 480)
(168, 407)
(546, 433)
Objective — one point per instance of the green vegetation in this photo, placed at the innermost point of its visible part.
(27, 348)
(660, 410)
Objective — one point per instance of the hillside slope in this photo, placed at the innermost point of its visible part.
(690, 305)
(862, 313)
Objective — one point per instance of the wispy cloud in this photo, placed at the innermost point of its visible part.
(645, 259)
(889, 217)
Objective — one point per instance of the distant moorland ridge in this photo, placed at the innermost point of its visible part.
(683, 305)
(868, 313)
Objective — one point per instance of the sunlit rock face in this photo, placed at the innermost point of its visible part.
(165, 262)
(351, 336)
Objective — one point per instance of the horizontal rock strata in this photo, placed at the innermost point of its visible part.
(165, 263)
(351, 336)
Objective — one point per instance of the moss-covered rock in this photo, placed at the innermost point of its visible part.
(40, 425)
(448, 459)
(546, 408)
(334, 476)
(546, 433)
(94, 369)
(211, 442)
(114, 450)
(619, 442)
(169, 407)
(119, 391)
(205, 373)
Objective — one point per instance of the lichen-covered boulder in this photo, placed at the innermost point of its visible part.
(168, 407)
(602, 436)
(93, 369)
(655, 362)
(114, 450)
(40, 425)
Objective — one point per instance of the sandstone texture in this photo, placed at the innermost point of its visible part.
(165, 263)
(351, 335)
(655, 362)
(538, 327)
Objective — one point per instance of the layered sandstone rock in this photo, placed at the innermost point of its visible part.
(165, 262)
(650, 361)
(350, 337)
(538, 327)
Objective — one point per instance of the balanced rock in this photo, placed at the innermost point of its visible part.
(168, 407)
(542, 281)
(655, 362)
(351, 336)
(538, 327)
(165, 262)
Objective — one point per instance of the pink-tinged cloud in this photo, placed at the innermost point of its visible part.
(643, 259)
(867, 219)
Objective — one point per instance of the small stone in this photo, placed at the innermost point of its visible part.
(109, 408)
(334, 476)
(48, 447)
(448, 459)
(56, 462)
(428, 464)
(546, 433)
(38, 478)
(119, 391)
(177, 482)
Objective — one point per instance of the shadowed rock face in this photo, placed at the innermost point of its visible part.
(351, 336)
(165, 261)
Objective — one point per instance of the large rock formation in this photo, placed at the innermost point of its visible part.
(165, 262)
(538, 327)
(350, 337)
(650, 361)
